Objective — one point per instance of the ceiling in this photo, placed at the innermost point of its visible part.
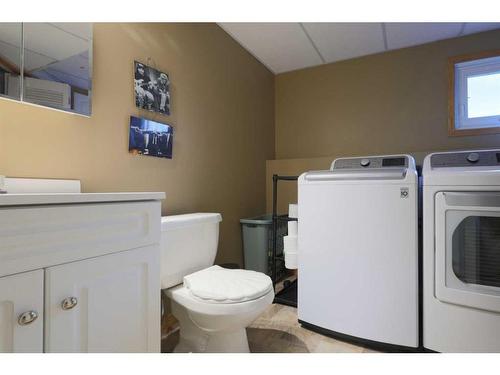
(283, 47)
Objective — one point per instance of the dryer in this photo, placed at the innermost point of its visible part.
(461, 259)
(358, 251)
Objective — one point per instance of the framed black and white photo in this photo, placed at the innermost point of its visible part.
(151, 88)
(151, 138)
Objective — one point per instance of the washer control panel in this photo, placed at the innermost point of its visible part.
(466, 159)
(371, 162)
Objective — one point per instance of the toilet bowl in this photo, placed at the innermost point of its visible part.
(213, 305)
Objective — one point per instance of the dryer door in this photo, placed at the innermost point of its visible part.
(468, 249)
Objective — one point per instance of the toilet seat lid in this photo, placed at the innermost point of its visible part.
(220, 285)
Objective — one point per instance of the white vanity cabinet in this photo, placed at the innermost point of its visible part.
(21, 313)
(105, 304)
(82, 275)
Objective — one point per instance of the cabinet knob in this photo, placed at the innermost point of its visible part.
(27, 318)
(68, 303)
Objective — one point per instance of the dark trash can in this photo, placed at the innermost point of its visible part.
(258, 243)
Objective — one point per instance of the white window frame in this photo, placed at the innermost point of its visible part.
(463, 68)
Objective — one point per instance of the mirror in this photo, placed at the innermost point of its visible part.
(10, 59)
(56, 65)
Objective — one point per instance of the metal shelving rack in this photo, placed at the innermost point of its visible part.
(288, 295)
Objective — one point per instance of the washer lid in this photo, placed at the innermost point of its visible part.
(389, 169)
(220, 285)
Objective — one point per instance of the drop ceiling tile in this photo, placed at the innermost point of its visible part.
(341, 41)
(33, 60)
(280, 46)
(10, 33)
(81, 29)
(76, 66)
(286, 46)
(400, 35)
(52, 42)
(10, 55)
(471, 28)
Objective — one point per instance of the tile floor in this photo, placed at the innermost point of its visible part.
(278, 331)
(283, 319)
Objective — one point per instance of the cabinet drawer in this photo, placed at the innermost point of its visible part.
(42, 236)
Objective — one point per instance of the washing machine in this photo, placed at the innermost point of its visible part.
(358, 251)
(461, 260)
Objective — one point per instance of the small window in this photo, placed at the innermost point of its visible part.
(475, 94)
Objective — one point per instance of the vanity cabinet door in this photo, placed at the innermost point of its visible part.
(105, 304)
(21, 312)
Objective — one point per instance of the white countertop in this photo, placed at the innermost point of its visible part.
(75, 198)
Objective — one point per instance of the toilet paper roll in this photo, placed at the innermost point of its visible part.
(291, 260)
(292, 228)
(290, 243)
(293, 211)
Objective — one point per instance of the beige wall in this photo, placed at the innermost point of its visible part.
(222, 110)
(224, 106)
(386, 103)
(393, 102)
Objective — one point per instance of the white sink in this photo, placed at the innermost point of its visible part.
(41, 186)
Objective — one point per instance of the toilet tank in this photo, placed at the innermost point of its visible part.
(188, 244)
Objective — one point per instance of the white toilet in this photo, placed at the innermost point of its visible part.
(214, 305)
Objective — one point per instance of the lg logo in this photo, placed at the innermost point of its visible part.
(404, 193)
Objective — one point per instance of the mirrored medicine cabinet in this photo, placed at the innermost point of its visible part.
(47, 64)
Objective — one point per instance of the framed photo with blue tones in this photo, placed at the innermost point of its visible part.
(150, 138)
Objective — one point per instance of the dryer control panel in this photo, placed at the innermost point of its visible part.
(466, 159)
(399, 161)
